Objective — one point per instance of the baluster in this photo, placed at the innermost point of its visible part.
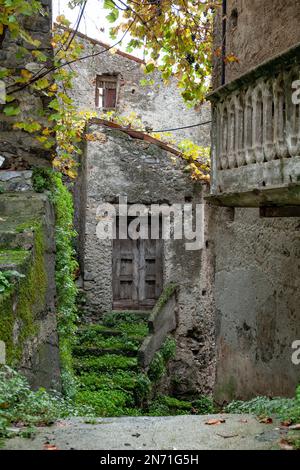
(258, 124)
(268, 121)
(280, 118)
(248, 127)
(240, 145)
(218, 116)
(224, 131)
(293, 116)
(231, 135)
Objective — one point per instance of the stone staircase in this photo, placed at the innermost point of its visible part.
(106, 364)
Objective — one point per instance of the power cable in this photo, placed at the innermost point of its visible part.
(184, 127)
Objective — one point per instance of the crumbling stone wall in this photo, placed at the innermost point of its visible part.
(120, 165)
(159, 105)
(27, 309)
(255, 31)
(20, 150)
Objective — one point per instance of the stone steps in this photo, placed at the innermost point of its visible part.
(89, 351)
(106, 364)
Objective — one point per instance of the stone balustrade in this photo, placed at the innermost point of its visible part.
(256, 132)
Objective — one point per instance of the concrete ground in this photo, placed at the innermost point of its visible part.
(160, 433)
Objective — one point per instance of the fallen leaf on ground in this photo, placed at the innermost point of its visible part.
(267, 420)
(295, 427)
(212, 422)
(285, 445)
(286, 423)
(50, 447)
(244, 421)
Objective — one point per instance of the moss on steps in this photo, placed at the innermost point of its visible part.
(113, 383)
(19, 303)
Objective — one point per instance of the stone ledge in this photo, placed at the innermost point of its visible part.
(272, 196)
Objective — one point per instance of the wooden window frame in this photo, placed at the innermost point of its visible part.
(106, 79)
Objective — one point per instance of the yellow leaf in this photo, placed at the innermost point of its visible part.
(26, 74)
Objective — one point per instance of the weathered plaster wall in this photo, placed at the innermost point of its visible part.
(120, 165)
(257, 291)
(256, 31)
(257, 265)
(27, 312)
(20, 149)
(159, 106)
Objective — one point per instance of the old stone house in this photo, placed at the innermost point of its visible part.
(109, 81)
(119, 163)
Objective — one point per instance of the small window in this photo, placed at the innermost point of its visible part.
(106, 91)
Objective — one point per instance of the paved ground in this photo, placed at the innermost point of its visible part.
(167, 433)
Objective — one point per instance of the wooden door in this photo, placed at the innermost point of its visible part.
(137, 273)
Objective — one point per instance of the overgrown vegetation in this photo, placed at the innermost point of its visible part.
(65, 268)
(31, 294)
(286, 409)
(108, 373)
(20, 406)
(7, 279)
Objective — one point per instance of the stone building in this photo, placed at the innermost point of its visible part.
(255, 180)
(112, 81)
(130, 274)
(126, 274)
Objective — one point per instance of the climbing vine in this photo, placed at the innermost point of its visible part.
(176, 36)
(196, 157)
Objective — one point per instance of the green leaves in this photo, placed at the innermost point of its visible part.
(10, 110)
(113, 16)
(7, 278)
(150, 67)
(176, 35)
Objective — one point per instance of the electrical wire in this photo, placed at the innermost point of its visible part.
(184, 127)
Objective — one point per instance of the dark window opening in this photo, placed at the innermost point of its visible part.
(234, 18)
(106, 91)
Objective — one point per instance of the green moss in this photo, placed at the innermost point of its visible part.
(65, 269)
(107, 403)
(119, 379)
(13, 257)
(168, 350)
(157, 368)
(30, 295)
(167, 293)
(7, 323)
(134, 331)
(114, 318)
(106, 362)
(28, 225)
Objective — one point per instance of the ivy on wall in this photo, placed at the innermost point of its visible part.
(66, 267)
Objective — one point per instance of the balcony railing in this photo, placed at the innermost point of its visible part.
(256, 136)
